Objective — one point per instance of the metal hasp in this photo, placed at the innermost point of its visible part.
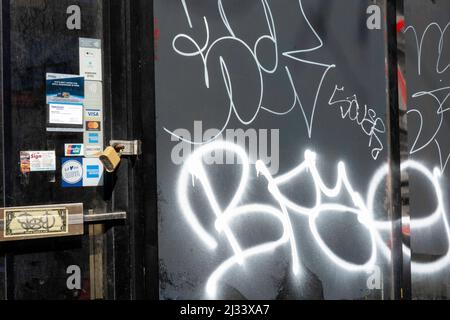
(127, 148)
(104, 217)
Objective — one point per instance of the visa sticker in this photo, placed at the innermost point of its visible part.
(93, 114)
(74, 150)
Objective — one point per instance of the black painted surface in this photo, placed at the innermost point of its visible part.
(428, 132)
(3, 24)
(183, 97)
(37, 41)
(41, 43)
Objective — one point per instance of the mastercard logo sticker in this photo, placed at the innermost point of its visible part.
(93, 126)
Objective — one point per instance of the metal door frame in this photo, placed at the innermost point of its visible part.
(133, 74)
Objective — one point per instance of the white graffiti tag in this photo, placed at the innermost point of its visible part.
(194, 174)
(439, 96)
(203, 51)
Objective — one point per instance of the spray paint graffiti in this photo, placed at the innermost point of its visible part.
(198, 45)
(194, 174)
(439, 97)
(204, 50)
(372, 125)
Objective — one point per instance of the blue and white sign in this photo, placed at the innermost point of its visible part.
(79, 172)
(64, 88)
(93, 172)
(93, 138)
(72, 172)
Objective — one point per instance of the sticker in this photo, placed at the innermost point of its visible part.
(93, 151)
(74, 150)
(93, 172)
(64, 88)
(93, 114)
(35, 222)
(79, 172)
(93, 138)
(93, 144)
(93, 94)
(93, 135)
(91, 59)
(93, 126)
(72, 172)
(67, 114)
(37, 161)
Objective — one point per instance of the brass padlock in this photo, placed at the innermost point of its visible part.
(110, 159)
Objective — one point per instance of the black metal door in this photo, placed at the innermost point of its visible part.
(41, 37)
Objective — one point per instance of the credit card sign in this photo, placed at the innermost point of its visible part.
(74, 150)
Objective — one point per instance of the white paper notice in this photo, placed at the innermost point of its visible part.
(38, 161)
(91, 59)
(70, 114)
(93, 97)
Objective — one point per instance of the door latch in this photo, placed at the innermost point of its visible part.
(112, 155)
(127, 148)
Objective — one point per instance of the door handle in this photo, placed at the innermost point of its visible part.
(101, 218)
(52, 221)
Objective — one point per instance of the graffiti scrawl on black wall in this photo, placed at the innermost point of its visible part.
(427, 39)
(272, 152)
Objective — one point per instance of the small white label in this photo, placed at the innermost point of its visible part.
(91, 59)
(93, 91)
(70, 114)
(93, 151)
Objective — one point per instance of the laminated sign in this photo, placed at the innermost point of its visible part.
(64, 88)
(91, 59)
(37, 161)
(65, 99)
